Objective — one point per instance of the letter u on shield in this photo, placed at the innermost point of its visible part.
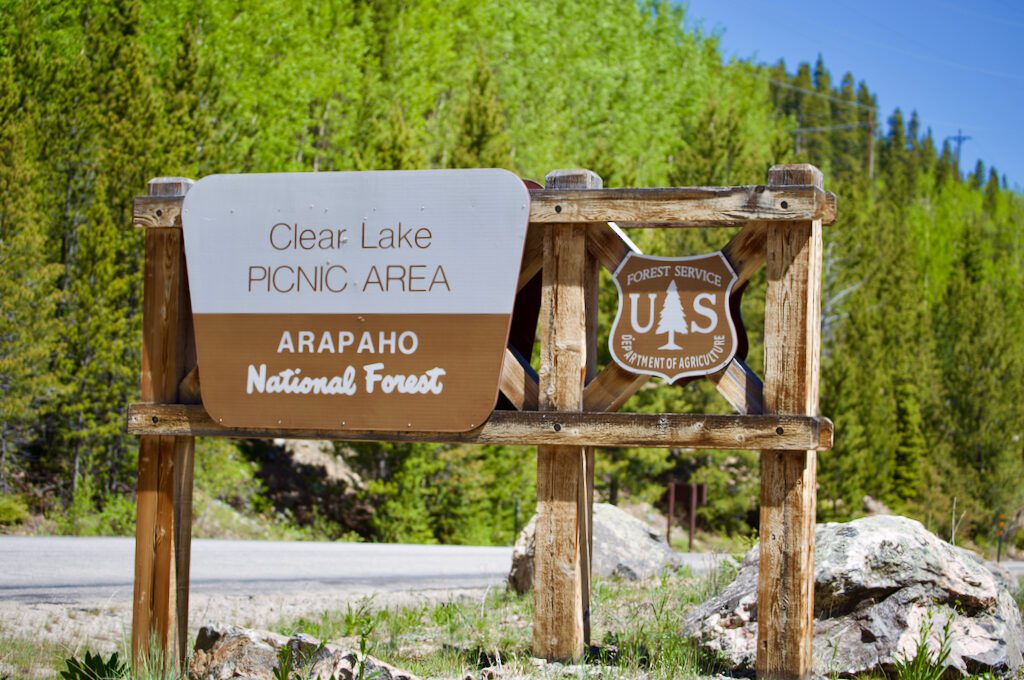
(634, 299)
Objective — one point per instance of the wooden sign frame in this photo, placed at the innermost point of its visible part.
(566, 407)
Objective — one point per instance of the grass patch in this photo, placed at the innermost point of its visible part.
(22, 657)
(635, 629)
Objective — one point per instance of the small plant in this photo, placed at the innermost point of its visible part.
(927, 665)
(93, 667)
(284, 668)
(294, 663)
(361, 669)
(13, 509)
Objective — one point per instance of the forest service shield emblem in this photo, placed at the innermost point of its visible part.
(674, 319)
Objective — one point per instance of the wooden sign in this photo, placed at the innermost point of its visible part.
(367, 301)
(673, 319)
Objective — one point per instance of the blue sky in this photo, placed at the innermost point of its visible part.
(959, 63)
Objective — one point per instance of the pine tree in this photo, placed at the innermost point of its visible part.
(817, 119)
(977, 180)
(946, 170)
(113, 114)
(482, 140)
(190, 143)
(27, 287)
(99, 351)
(911, 447)
(671, 319)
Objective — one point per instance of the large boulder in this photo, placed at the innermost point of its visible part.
(878, 581)
(624, 547)
(226, 652)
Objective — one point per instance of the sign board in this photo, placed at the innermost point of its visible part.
(354, 300)
(674, 319)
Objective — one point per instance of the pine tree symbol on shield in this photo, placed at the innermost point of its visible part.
(663, 298)
(671, 320)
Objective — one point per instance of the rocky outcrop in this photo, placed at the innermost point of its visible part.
(878, 581)
(624, 547)
(225, 652)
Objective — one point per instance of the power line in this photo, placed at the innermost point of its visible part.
(829, 128)
(815, 93)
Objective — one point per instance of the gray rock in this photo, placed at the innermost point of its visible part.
(227, 652)
(878, 580)
(624, 547)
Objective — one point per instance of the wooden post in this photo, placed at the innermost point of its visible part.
(164, 523)
(785, 600)
(562, 557)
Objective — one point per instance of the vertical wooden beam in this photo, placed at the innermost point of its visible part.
(164, 503)
(791, 348)
(592, 279)
(563, 517)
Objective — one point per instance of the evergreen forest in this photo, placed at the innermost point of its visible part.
(923, 310)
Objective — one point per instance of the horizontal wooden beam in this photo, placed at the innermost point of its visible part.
(655, 207)
(534, 428)
(683, 206)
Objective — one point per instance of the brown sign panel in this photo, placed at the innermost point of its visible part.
(674, 319)
(354, 300)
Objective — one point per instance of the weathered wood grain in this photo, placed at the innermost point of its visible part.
(741, 387)
(591, 294)
(791, 348)
(559, 559)
(612, 388)
(609, 245)
(533, 255)
(518, 381)
(157, 211)
(160, 601)
(745, 251)
(677, 430)
(682, 207)
(190, 389)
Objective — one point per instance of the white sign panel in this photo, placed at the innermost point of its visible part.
(399, 284)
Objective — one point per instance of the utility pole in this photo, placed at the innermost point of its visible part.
(959, 138)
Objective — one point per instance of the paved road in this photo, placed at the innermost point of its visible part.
(63, 569)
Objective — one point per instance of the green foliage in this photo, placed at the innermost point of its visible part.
(447, 494)
(13, 509)
(924, 272)
(223, 473)
(927, 664)
(94, 514)
(635, 626)
(296, 663)
(94, 667)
